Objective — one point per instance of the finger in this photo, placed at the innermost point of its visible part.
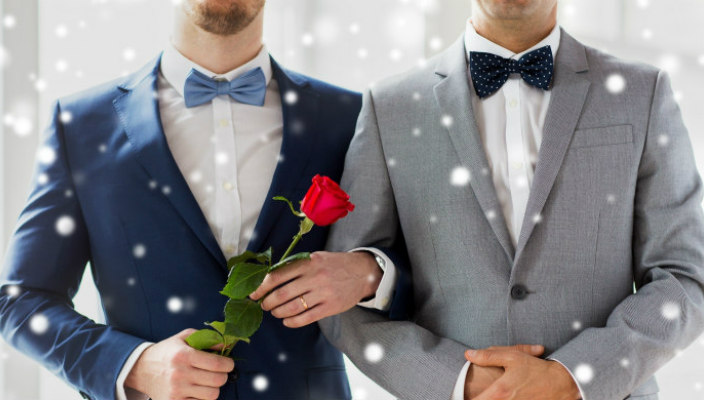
(286, 293)
(500, 389)
(203, 392)
(492, 358)
(211, 362)
(278, 278)
(312, 315)
(296, 306)
(201, 377)
(185, 333)
(534, 350)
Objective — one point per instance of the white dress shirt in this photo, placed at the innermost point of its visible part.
(510, 124)
(227, 151)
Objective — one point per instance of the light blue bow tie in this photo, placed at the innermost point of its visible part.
(248, 88)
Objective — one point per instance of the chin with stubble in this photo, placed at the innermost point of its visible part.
(222, 17)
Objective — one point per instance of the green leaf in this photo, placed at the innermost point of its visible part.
(290, 205)
(290, 259)
(204, 339)
(217, 325)
(230, 340)
(242, 317)
(244, 279)
(263, 258)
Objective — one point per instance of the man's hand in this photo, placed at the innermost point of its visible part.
(327, 284)
(171, 370)
(525, 378)
(479, 378)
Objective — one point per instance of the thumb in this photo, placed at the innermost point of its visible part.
(185, 333)
(534, 350)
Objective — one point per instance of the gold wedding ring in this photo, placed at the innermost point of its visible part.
(305, 305)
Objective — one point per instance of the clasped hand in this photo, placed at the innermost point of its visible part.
(516, 373)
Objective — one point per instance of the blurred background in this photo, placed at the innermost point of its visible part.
(51, 48)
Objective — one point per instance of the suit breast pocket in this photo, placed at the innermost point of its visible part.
(604, 136)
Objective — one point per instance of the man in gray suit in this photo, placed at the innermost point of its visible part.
(532, 200)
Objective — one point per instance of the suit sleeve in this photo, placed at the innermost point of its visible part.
(401, 356)
(44, 264)
(667, 312)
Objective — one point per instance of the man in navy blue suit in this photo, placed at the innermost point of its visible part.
(155, 180)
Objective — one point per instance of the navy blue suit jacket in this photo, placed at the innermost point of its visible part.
(132, 193)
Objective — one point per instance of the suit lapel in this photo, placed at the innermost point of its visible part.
(138, 110)
(453, 98)
(569, 92)
(299, 134)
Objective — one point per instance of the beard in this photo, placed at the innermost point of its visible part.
(222, 18)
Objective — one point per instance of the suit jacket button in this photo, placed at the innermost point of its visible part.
(519, 292)
(233, 375)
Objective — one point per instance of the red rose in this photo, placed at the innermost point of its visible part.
(325, 202)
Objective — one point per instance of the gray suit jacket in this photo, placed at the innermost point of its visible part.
(616, 201)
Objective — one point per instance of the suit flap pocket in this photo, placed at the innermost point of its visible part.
(608, 135)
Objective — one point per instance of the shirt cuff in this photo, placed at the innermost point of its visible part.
(458, 393)
(124, 393)
(382, 299)
(581, 392)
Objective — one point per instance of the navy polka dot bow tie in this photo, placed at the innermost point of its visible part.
(490, 72)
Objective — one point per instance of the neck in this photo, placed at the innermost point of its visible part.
(514, 34)
(219, 54)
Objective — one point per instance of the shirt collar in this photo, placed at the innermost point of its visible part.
(175, 67)
(475, 42)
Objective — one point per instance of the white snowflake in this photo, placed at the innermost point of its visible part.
(584, 373)
(435, 43)
(416, 132)
(373, 352)
(354, 28)
(625, 362)
(61, 65)
(174, 304)
(9, 21)
(611, 199)
(166, 190)
(537, 218)
(22, 126)
(40, 85)
(139, 250)
(46, 155)
(61, 31)
(131, 281)
(307, 39)
(362, 53)
(670, 63)
(283, 357)
(129, 54)
(395, 54)
(700, 60)
(663, 140)
(646, 34)
(65, 225)
(43, 179)
(698, 386)
(433, 219)
(153, 185)
(615, 83)
(416, 96)
(195, 176)
(446, 120)
(221, 158)
(66, 117)
(460, 176)
(391, 162)
(643, 3)
(291, 97)
(359, 393)
(670, 310)
(260, 383)
(13, 291)
(39, 324)
(490, 215)
(68, 193)
(576, 325)
(102, 148)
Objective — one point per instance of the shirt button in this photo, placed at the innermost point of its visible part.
(519, 292)
(228, 186)
(224, 122)
(513, 103)
(229, 249)
(517, 165)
